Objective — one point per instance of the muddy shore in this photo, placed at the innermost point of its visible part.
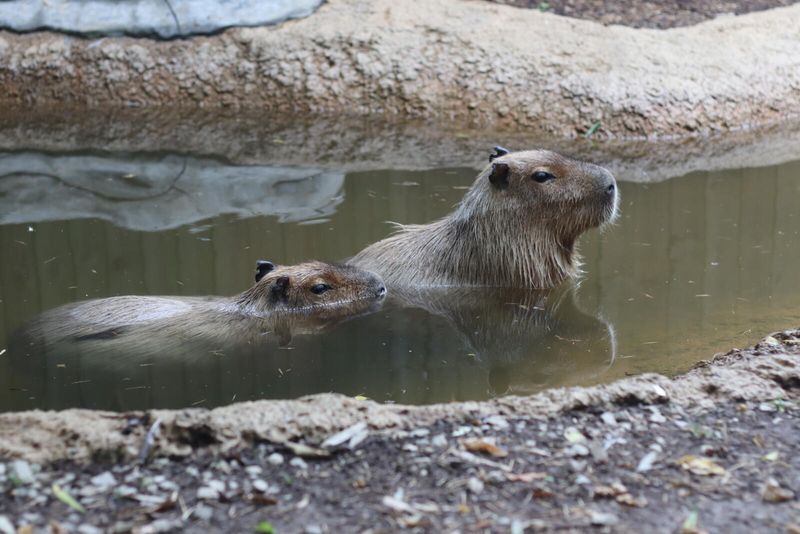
(712, 450)
(448, 65)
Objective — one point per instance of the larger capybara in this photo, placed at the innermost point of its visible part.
(517, 226)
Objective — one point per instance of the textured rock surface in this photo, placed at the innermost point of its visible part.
(37, 187)
(768, 371)
(452, 61)
(161, 18)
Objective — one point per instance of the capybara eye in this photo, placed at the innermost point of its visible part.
(320, 289)
(542, 176)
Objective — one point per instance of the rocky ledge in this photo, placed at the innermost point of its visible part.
(454, 61)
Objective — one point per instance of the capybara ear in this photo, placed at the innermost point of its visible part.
(280, 289)
(263, 267)
(499, 175)
(498, 151)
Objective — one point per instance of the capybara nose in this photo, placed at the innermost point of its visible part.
(610, 188)
(381, 291)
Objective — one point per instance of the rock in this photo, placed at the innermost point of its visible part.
(6, 527)
(608, 418)
(203, 512)
(22, 472)
(439, 440)
(89, 529)
(355, 432)
(260, 485)
(147, 17)
(313, 529)
(298, 463)
(125, 491)
(162, 525)
(275, 458)
(497, 421)
(104, 481)
(647, 461)
(253, 470)
(475, 485)
(207, 493)
(577, 449)
(216, 485)
(603, 518)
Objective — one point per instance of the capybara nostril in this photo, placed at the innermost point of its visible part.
(611, 187)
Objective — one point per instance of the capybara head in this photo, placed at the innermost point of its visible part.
(310, 286)
(564, 194)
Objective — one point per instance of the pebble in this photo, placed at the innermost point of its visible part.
(260, 485)
(608, 418)
(6, 527)
(313, 529)
(410, 447)
(298, 463)
(439, 440)
(104, 480)
(89, 529)
(603, 518)
(125, 491)
(22, 471)
(216, 485)
(207, 493)
(646, 463)
(275, 458)
(192, 471)
(203, 512)
(577, 449)
(253, 470)
(498, 422)
(475, 485)
(162, 525)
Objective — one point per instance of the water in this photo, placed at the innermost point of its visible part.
(695, 265)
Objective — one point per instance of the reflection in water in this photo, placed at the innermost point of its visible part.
(470, 343)
(156, 192)
(693, 266)
(526, 339)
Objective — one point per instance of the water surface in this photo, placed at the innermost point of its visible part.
(696, 264)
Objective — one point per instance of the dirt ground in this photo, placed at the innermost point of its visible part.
(661, 14)
(718, 455)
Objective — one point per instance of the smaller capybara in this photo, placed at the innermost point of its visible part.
(281, 296)
(517, 226)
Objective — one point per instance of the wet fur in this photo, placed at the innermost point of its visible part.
(261, 309)
(521, 234)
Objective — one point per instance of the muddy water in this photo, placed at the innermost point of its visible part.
(696, 264)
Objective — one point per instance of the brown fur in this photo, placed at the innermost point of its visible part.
(347, 284)
(269, 306)
(518, 234)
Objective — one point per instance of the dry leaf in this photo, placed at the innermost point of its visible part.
(526, 477)
(629, 500)
(700, 466)
(775, 494)
(609, 492)
(485, 447)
